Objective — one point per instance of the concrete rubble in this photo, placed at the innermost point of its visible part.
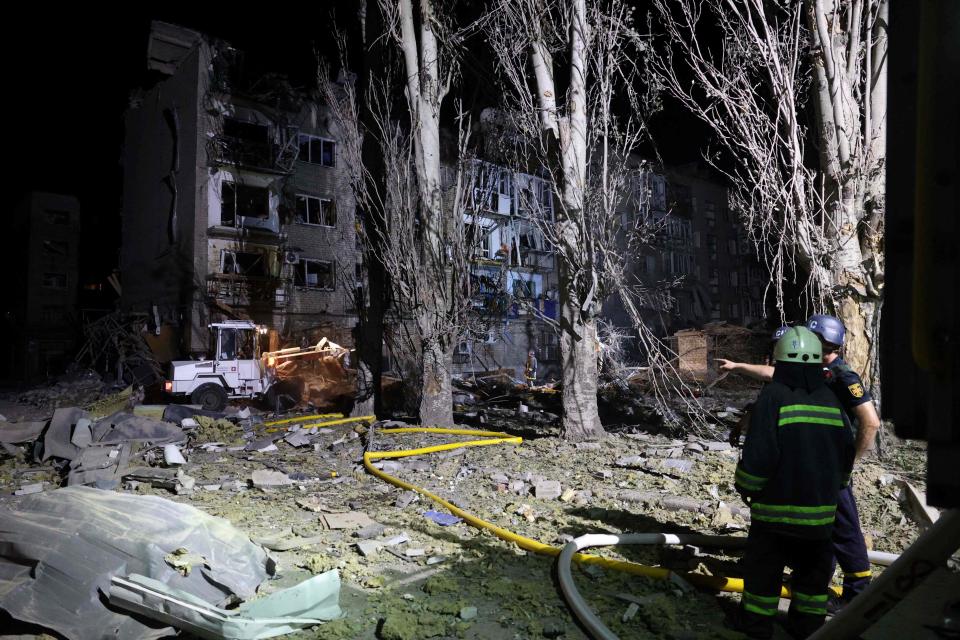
(300, 493)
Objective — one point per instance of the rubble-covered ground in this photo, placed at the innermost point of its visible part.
(405, 576)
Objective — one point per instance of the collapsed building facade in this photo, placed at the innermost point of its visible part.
(234, 203)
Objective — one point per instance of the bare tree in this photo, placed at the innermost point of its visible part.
(814, 215)
(590, 50)
(422, 237)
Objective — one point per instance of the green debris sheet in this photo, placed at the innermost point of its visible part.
(309, 603)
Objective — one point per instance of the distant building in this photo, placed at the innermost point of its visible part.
(235, 203)
(41, 318)
(699, 266)
(513, 277)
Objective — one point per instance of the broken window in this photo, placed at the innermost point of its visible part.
(319, 211)
(55, 280)
(524, 288)
(56, 248)
(314, 274)
(246, 131)
(55, 216)
(241, 200)
(549, 350)
(317, 150)
(243, 263)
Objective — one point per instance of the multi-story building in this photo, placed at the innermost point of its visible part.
(513, 275)
(699, 266)
(234, 202)
(40, 321)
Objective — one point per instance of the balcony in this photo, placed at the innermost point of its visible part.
(253, 154)
(248, 291)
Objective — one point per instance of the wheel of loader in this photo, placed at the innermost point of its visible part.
(210, 396)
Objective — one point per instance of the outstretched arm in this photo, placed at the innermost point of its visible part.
(761, 372)
(868, 422)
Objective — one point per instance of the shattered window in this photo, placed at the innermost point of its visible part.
(524, 288)
(319, 211)
(55, 280)
(314, 274)
(243, 263)
(246, 131)
(317, 150)
(240, 200)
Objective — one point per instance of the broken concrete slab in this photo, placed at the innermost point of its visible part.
(404, 499)
(20, 432)
(917, 503)
(369, 547)
(348, 520)
(269, 478)
(370, 531)
(678, 465)
(547, 489)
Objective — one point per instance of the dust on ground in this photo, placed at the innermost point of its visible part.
(459, 581)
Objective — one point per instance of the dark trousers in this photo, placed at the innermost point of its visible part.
(849, 546)
(766, 554)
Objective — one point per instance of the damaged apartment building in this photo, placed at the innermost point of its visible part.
(513, 275)
(234, 203)
(698, 266)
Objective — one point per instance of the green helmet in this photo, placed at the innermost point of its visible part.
(799, 344)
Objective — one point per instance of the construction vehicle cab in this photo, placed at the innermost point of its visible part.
(236, 369)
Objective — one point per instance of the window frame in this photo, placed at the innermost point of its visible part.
(331, 210)
(300, 270)
(309, 139)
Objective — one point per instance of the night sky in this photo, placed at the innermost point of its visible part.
(69, 76)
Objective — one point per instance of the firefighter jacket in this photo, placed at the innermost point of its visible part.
(797, 456)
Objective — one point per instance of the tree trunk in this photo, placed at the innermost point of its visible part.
(578, 359)
(436, 399)
(369, 343)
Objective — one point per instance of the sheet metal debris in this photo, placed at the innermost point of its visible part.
(59, 549)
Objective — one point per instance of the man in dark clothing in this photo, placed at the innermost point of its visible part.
(797, 456)
(850, 547)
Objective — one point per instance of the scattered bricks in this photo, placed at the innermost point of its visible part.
(518, 487)
(603, 474)
(468, 613)
(269, 478)
(547, 489)
(628, 461)
(415, 553)
(404, 499)
(631, 612)
(568, 495)
(369, 547)
(681, 503)
(370, 531)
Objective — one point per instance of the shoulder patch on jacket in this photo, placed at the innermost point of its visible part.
(856, 390)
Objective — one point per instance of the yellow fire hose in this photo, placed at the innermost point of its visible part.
(493, 438)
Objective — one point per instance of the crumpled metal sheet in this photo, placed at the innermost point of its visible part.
(126, 427)
(59, 549)
(309, 603)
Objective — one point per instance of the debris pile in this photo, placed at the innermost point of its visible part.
(116, 343)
